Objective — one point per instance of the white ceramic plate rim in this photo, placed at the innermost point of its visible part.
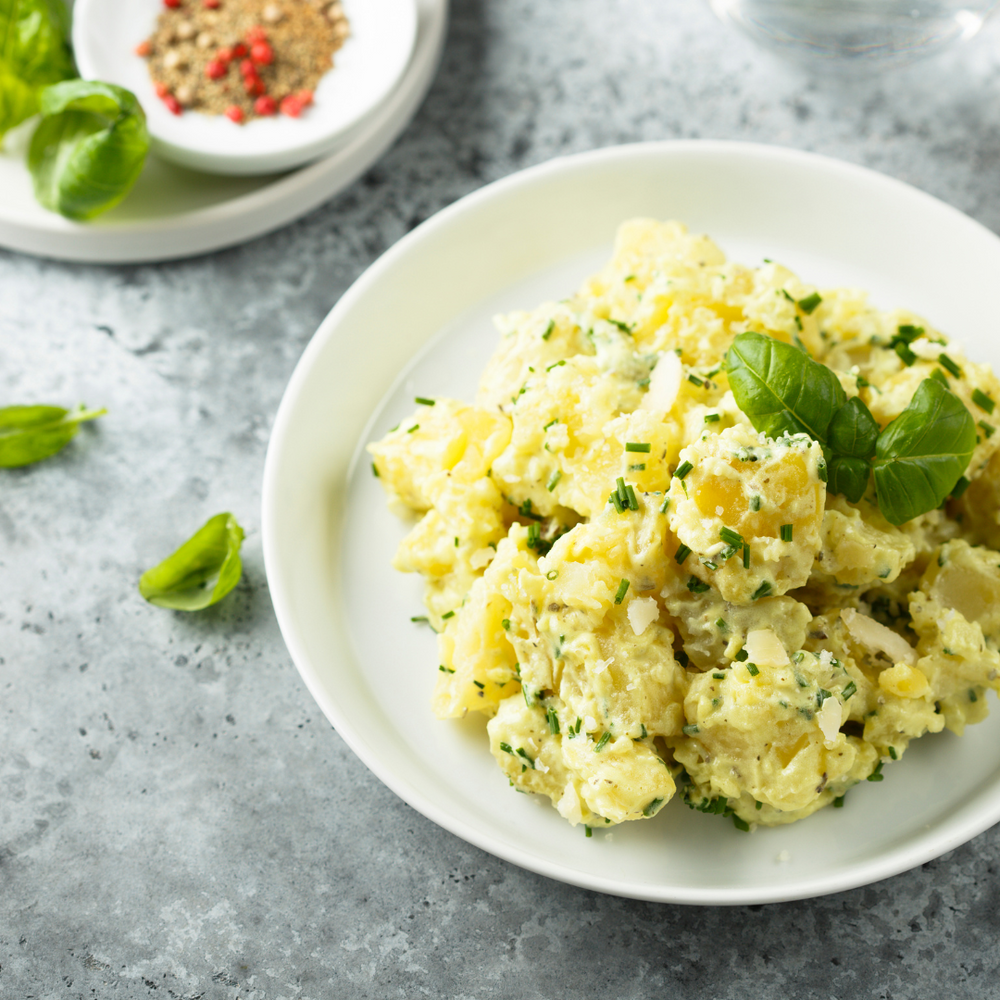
(366, 69)
(921, 846)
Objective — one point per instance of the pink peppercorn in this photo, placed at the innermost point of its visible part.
(215, 70)
(265, 105)
(173, 105)
(234, 113)
(261, 53)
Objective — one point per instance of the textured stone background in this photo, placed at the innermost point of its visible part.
(176, 818)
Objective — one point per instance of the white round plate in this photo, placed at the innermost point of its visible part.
(174, 212)
(418, 323)
(365, 71)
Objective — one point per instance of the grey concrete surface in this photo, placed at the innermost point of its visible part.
(176, 817)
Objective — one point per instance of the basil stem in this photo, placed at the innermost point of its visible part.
(30, 433)
(922, 454)
(201, 572)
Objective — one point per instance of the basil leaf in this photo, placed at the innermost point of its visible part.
(781, 389)
(922, 454)
(848, 476)
(853, 430)
(33, 53)
(88, 149)
(202, 571)
(30, 433)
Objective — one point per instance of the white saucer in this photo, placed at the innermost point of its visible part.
(173, 212)
(367, 68)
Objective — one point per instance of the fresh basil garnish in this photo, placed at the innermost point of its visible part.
(922, 454)
(916, 460)
(202, 571)
(88, 149)
(30, 433)
(33, 53)
(781, 389)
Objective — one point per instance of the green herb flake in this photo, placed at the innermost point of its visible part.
(949, 366)
(622, 590)
(522, 753)
(556, 364)
(755, 502)
(838, 802)
(602, 742)
(696, 586)
(893, 754)
(423, 401)
(972, 695)
(550, 714)
(877, 774)
(554, 480)
(809, 303)
(201, 572)
(849, 689)
(691, 730)
(549, 329)
(447, 615)
(712, 418)
(552, 574)
(506, 747)
(637, 446)
(987, 429)
(415, 427)
(721, 624)
(480, 685)
(694, 380)
(753, 669)
(375, 471)
(445, 670)
(982, 400)
(741, 824)
(664, 505)
(786, 532)
(638, 467)
(761, 591)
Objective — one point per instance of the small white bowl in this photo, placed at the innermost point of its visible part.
(365, 71)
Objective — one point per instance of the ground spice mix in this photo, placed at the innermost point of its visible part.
(243, 58)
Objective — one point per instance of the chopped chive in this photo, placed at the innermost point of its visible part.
(506, 624)
(419, 618)
(712, 418)
(534, 535)
(480, 685)
(644, 732)
(396, 428)
(948, 365)
(506, 747)
(447, 615)
(415, 427)
(850, 689)
(988, 430)
(877, 774)
(960, 487)
(753, 669)
(423, 401)
(755, 502)
(719, 677)
(549, 329)
(809, 303)
(721, 623)
(682, 658)
(683, 469)
(633, 503)
(587, 831)
(522, 753)
(696, 586)
(456, 541)
(862, 382)
(746, 556)
(741, 656)
(445, 670)
(642, 383)
(555, 364)
(620, 486)
(602, 743)
(786, 532)
(690, 730)
(552, 574)
(616, 500)
(764, 588)
(838, 802)
(758, 806)
(972, 695)
(554, 420)
(905, 355)
(622, 590)
(638, 467)
(710, 564)
(375, 470)
(664, 505)
(624, 327)
(982, 400)
(741, 824)
(731, 537)
(694, 380)
(553, 721)
(681, 554)
(893, 754)
(652, 808)
(629, 277)
(637, 446)
(554, 480)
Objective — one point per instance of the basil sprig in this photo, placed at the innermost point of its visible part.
(201, 572)
(916, 460)
(30, 433)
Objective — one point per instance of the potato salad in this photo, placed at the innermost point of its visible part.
(707, 532)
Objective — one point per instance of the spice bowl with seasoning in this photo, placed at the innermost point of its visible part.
(248, 86)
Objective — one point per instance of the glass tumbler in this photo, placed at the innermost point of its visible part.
(855, 33)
